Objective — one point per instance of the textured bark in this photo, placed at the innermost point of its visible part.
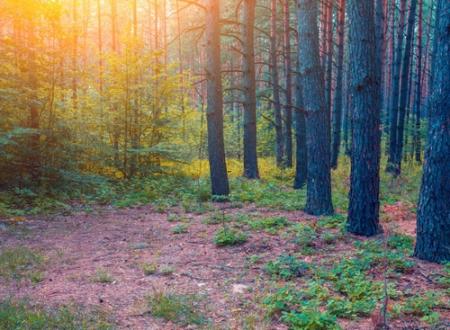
(337, 113)
(300, 135)
(418, 96)
(329, 57)
(317, 133)
(288, 106)
(214, 112)
(279, 150)
(433, 213)
(406, 65)
(365, 89)
(249, 85)
(393, 115)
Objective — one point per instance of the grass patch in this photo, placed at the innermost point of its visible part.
(269, 224)
(21, 262)
(181, 309)
(21, 316)
(102, 276)
(180, 229)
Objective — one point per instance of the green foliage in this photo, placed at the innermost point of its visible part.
(421, 305)
(305, 236)
(102, 276)
(226, 236)
(21, 262)
(20, 316)
(180, 229)
(181, 309)
(216, 218)
(310, 318)
(149, 268)
(269, 224)
(286, 267)
(300, 309)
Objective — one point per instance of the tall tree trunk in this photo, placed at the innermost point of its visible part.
(288, 69)
(34, 159)
(279, 150)
(300, 134)
(329, 59)
(433, 214)
(393, 115)
(365, 88)
(404, 88)
(249, 85)
(74, 55)
(317, 133)
(100, 49)
(337, 113)
(418, 96)
(214, 112)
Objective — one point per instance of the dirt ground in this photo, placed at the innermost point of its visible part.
(120, 241)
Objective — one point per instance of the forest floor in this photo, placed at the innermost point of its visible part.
(125, 261)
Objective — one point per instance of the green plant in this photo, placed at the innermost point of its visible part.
(226, 236)
(181, 309)
(102, 276)
(305, 237)
(423, 305)
(310, 319)
(286, 267)
(149, 268)
(270, 224)
(20, 262)
(166, 270)
(21, 316)
(180, 229)
(216, 218)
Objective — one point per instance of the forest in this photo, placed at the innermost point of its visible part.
(224, 164)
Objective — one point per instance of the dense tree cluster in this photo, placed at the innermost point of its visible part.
(119, 88)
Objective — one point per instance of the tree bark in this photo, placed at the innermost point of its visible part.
(300, 135)
(317, 133)
(279, 149)
(418, 96)
(393, 115)
(337, 113)
(214, 111)
(365, 88)
(397, 161)
(433, 213)
(249, 85)
(288, 106)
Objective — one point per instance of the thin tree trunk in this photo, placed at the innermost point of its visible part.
(317, 133)
(279, 150)
(337, 113)
(418, 96)
(363, 216)
(404, 89)
(288, 106)
(393, 115)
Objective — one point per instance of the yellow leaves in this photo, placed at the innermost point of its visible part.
(16, 220)
(119, 175)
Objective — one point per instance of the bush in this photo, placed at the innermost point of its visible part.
(226, 236)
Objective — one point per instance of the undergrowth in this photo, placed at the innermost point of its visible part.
(21, 316)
